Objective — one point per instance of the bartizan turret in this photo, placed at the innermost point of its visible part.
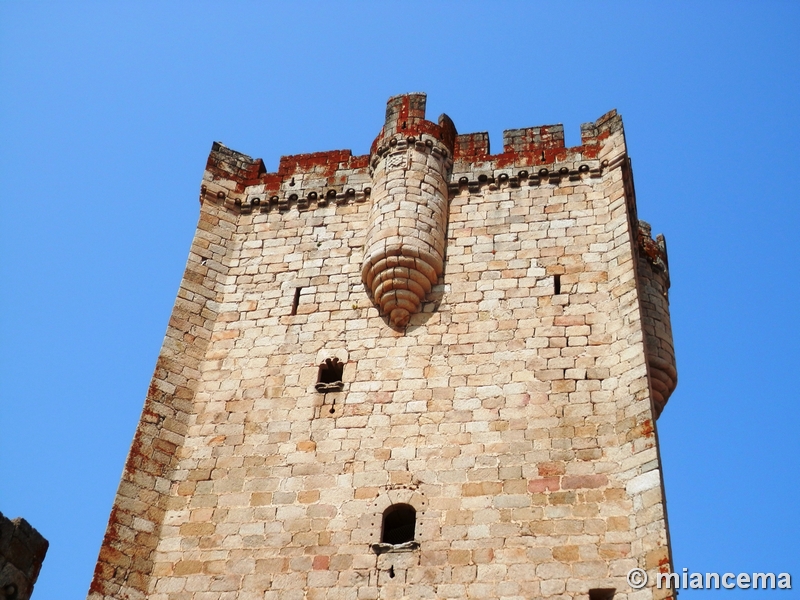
(404, 250)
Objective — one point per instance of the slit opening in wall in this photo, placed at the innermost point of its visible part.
(602, 594)
(556, 284)
(296, 300)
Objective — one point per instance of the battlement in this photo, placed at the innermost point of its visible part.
(535, 146)
(224, 163)
(405, 117)
(244, 171)
(538, 153)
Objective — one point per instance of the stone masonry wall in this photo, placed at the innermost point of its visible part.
(513, 411)
(134, 529)
(22, 551)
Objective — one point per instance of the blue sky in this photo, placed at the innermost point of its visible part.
(107, 114)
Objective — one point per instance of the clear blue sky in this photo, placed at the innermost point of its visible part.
(107, 114)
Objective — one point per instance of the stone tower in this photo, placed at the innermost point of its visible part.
(428, 372)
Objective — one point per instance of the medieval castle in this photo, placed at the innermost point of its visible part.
(427, 372)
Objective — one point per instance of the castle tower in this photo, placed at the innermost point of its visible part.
(429, 372)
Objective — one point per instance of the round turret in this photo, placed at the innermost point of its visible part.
(406, 236)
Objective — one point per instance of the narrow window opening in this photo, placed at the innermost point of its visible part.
(329, 378)
(602, 594)
(296, 300)
(391, 571)
(556, 284)
(399, 524)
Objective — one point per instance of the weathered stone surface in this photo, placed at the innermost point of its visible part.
(22, 551)
(503, 327)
